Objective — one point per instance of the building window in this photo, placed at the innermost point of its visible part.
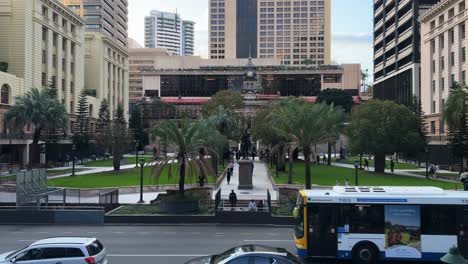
(433, 23)
(463, 54)
(461, 6)
(5, 94)
(442, 123)
(433, 66)
(433, 127)
(442, 42)
(45, 12)
(44, 79)
(452, 58)
(451, 12)
(442, 84)
(44, 56)
(453, 80)
(442, 63)
(432, 46)
(44, 34)
(433, 86)
(451, 36)
(462, 31)
(433, 110)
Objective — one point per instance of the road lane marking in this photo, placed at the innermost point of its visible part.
(268, 240)
(156, 255)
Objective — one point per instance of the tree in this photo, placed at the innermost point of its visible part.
(82, 129)
(456, 116)
(42, 111)
(225, 122)
(103, 134)
(337, 97)
(230, 100)
(136, 125)
(186, 138)
(382, 128)
(119, 136)
(415, 107)
(305, 124)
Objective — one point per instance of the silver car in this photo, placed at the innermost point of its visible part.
(60, 250)
(249, 254)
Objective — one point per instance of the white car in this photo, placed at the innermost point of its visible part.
(60, 250)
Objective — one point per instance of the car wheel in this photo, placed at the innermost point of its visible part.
(364, 254)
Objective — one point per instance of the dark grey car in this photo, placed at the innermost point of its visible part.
(249, 254)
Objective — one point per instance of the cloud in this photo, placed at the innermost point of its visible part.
(353, 48)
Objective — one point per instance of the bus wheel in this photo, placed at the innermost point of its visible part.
(364, 254)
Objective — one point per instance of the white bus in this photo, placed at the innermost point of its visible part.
(368, 224)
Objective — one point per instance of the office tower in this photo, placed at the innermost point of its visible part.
(169, 31)
(296, 32)
(108, 17)
(397, 48)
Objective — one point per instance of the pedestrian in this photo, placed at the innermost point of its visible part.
(252, 205)
(436, 169)
(347, 183)
(318, 160)
(392, 165)
(201, 180)
(431, 170)
(260, 206)
(253, 154)
(233, 199)
(324, 159)
(228, 175)
(366, 164)
(231, 167)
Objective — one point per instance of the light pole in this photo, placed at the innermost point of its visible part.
(142, 164)
(136, 153)
(356, 165)
(43, 152)
(426, 150)
(73, 159)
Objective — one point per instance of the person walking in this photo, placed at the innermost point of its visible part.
(347, 183)
(392, 165)
(231, 167)
(228, 175)
(436, 169)
(324, 159)
(233, 199)
(317, 160)
(366, 163)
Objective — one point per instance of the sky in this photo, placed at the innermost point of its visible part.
(351, 26)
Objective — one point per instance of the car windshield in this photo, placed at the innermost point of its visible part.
(14, 253)
(225, 255)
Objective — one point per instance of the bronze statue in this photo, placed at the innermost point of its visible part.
(245, 144)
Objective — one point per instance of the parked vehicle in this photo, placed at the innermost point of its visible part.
(249, 254)
(64, 250)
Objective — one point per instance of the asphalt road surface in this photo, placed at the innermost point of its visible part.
(154, 244)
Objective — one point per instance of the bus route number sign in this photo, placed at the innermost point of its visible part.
(345, 200)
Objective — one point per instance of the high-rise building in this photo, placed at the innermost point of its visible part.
(296, 32)
(169, 31)
(188, 37)
(443, 63)
(108, 17)
(106, 52)
(397, 48)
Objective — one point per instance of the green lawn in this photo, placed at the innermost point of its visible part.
(398, 166)
(327, 176)
(108, 162)
(124, 178)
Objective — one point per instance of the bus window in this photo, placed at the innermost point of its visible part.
(363, 218)
(438, 219)
(299, 218)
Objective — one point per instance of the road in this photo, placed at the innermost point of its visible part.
(154, 244)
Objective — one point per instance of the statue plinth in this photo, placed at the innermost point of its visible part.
(245, 174)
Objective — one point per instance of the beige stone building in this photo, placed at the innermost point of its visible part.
(290, 30)
(443, 60)
(44, 46)
(106, 72)
(141, 59)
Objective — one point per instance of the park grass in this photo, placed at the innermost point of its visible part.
(124, 178)
(109, 162)
(328, 175)
(151, 210)
(398, 166)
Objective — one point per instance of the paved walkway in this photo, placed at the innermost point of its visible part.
(404, 172)
(261, 183)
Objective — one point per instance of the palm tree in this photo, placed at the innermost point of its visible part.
(40, 110)
(186, 138)
(456, 116)
(306, 125)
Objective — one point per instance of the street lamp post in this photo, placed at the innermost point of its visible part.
(73, 159)
(136, 153)
(43, 152)
(142, 164)
(356, 165)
